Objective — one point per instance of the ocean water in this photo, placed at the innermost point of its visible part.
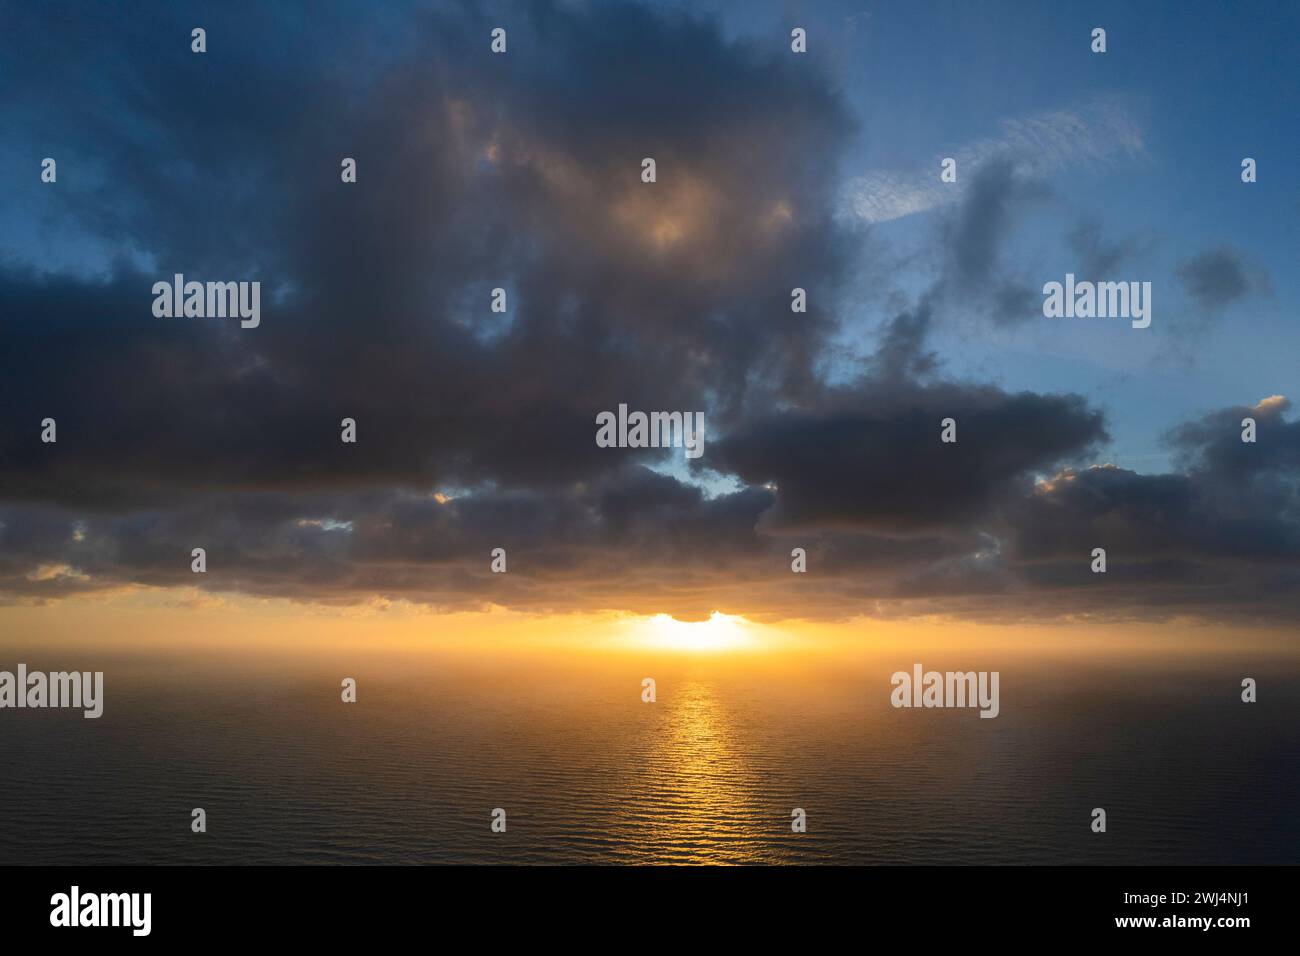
(709, 773)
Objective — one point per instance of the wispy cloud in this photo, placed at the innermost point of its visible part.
(1037, 145)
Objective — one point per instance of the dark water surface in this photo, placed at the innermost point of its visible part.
(709, 773)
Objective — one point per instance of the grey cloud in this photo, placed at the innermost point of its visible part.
(1219, 277)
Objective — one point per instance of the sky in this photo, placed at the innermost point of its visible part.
(775, 170)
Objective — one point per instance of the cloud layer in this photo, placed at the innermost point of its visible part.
(475, 429)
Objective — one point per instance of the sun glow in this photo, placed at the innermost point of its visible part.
(719, 632)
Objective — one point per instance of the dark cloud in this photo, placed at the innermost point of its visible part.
(872, 455)
(475, 172)
(1100, 257)
(974, 275)
(902, 355)
(985, 217)
(1174, 543)
(1217, 278)
(1219, 538)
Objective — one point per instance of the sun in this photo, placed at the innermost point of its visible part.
(719, 632)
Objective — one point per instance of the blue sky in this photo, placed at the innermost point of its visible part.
(1202, 90)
